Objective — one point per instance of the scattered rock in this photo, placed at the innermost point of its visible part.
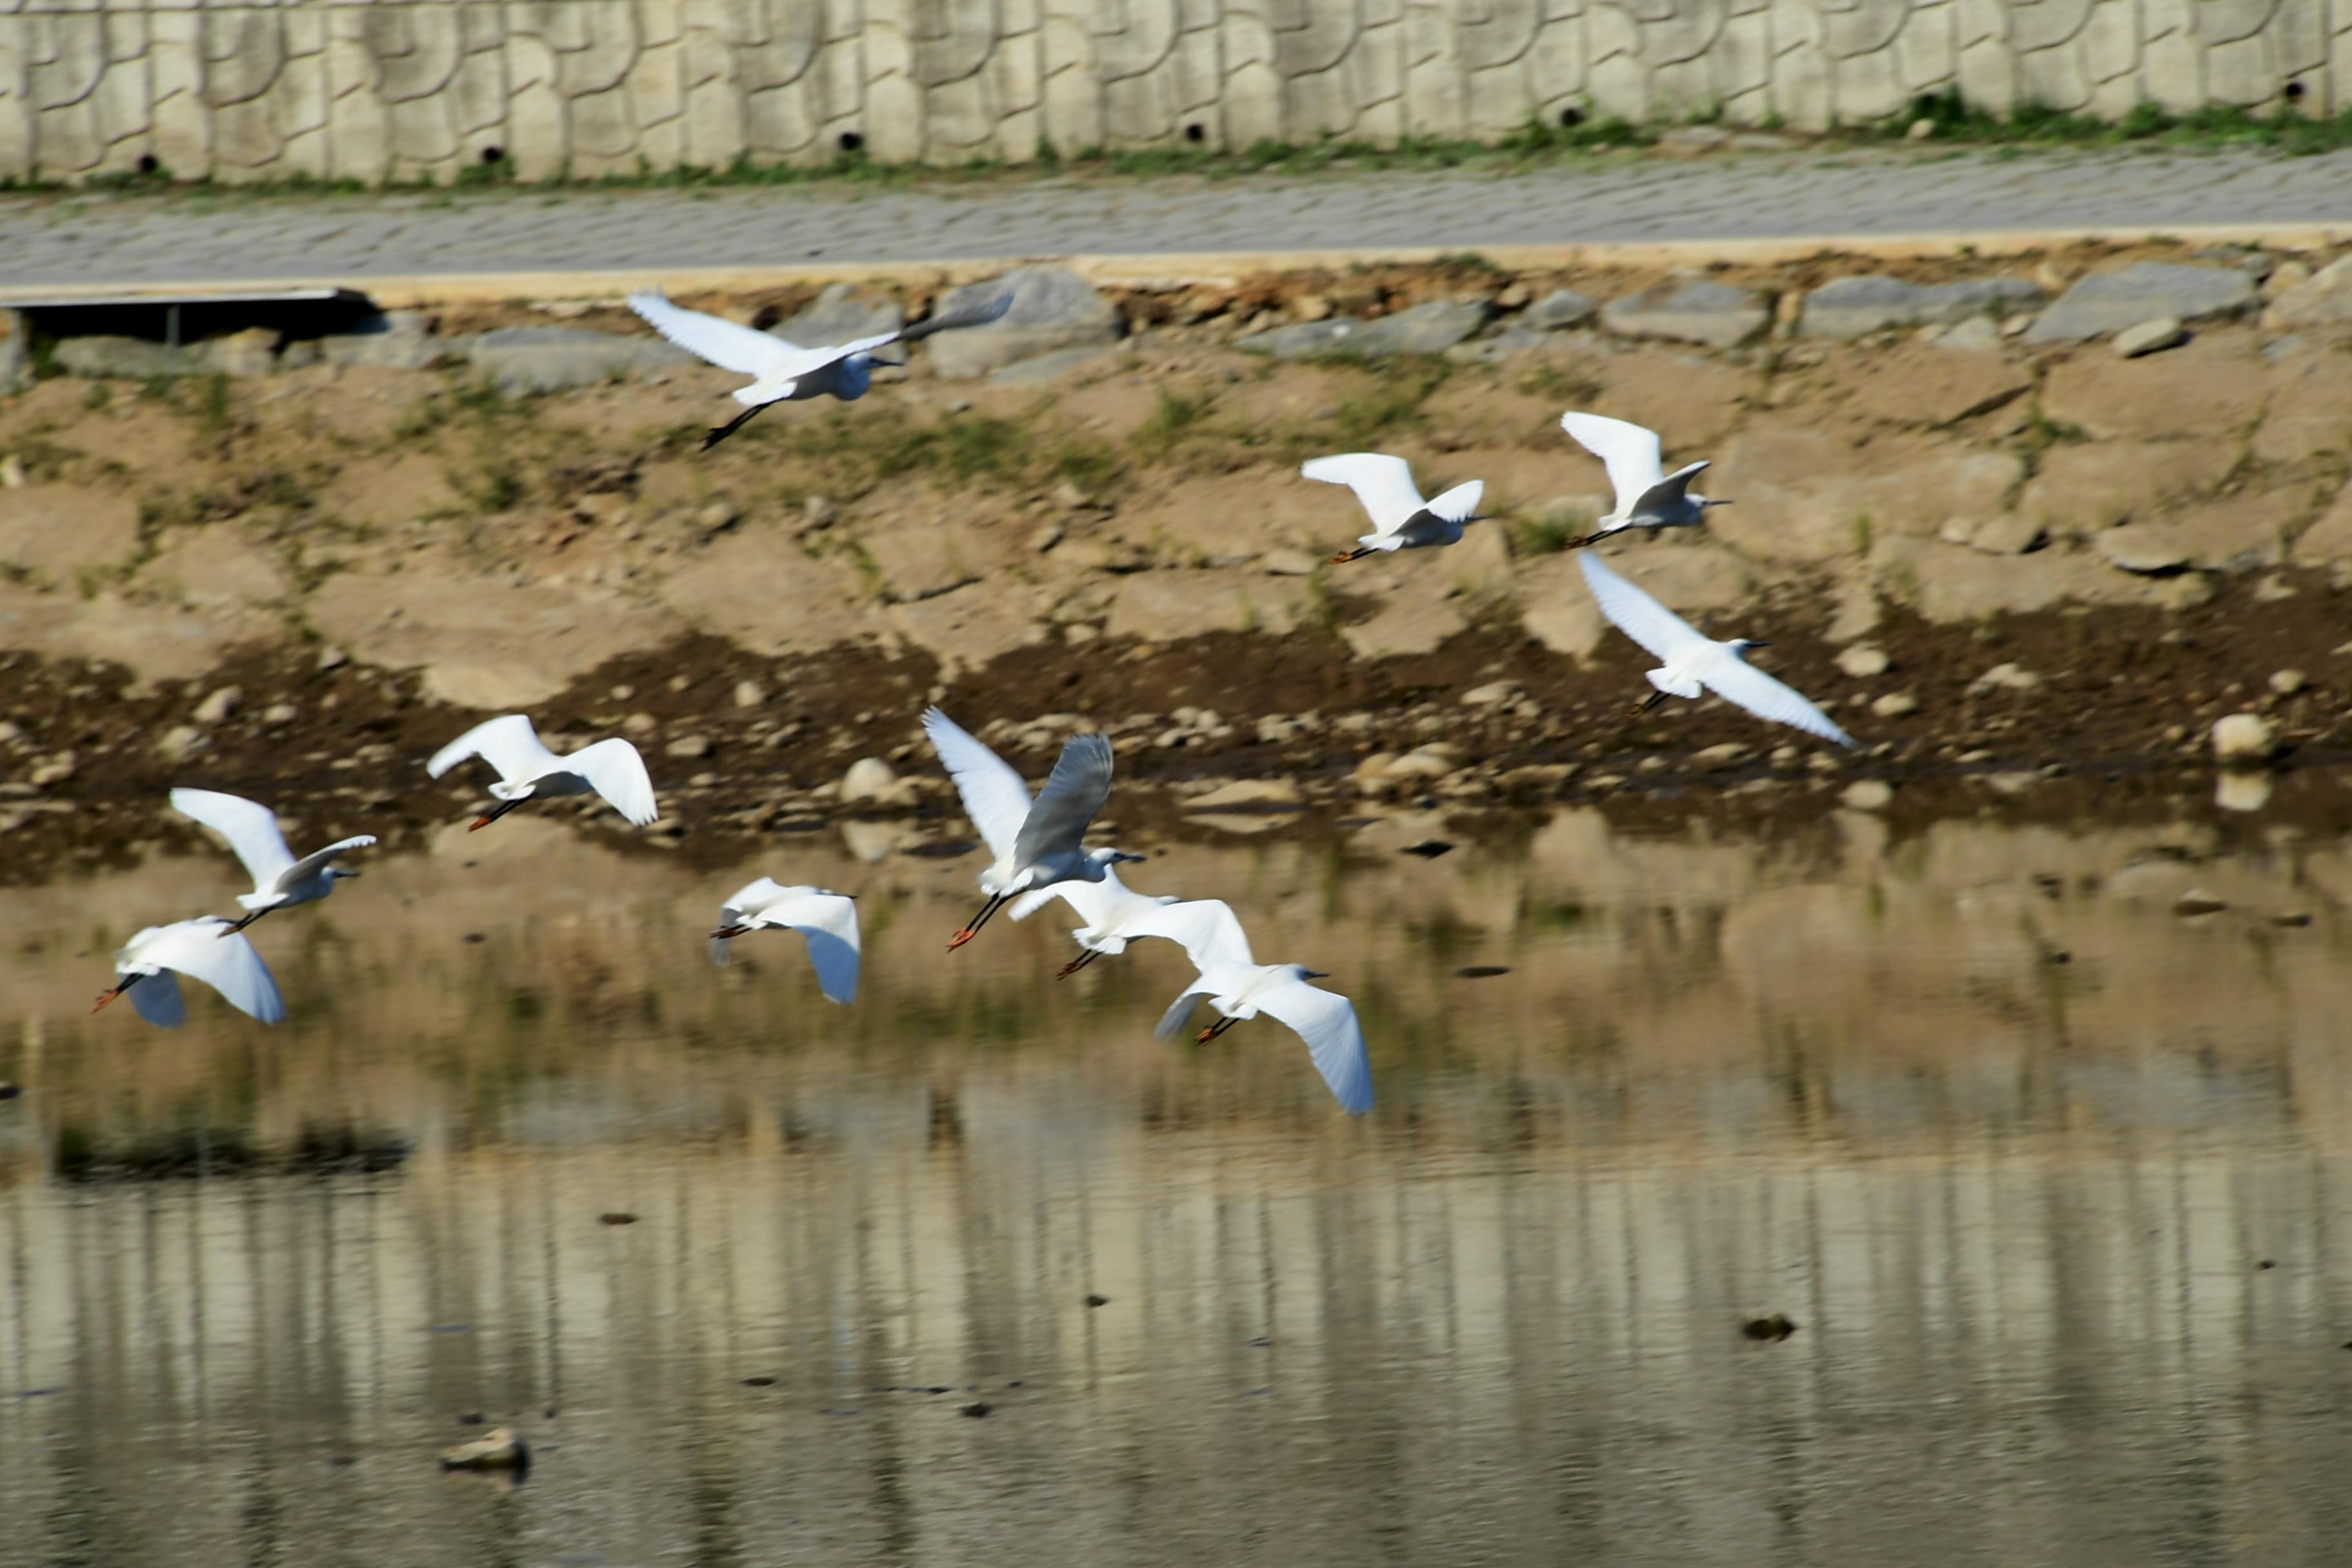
(1304, 339)
(1718, 758)
(976, 1410)
(10, 1089)
(2004, 677)
(640, 724)
(1095, 1301)
(1481, 971)
(1716, 315)
(868, 779)
(1864, 661)
(2108, 303)
(749, 694)
(55, 771)
(758, 1383)
(330, 658)
(2150, 337)
(2003, 533)
(1774, 1327)
(390, 340)
(1493, 694)
(1052, 309)
(1894, 705)
(499, 1449)
(1425, 329)
(1243, 794)
(2236, 789)
(838, 314)
(689, 747)
(1428, 849)
(216, 709)
(2243, 739)
(1868, 794)
(616, 1218)
(180, 742)
(1046, 538)
(100, 354)
(819, 511)
(1559, 309)
(1852, 306)
(1977, 333)
(2149, 549)
(279, 714)
(2325, 299)
(551, 359)
(2198, 901)
(2287, 682)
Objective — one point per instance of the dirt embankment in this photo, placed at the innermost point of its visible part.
(2027, 580)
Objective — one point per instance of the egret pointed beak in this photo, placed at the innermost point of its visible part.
(1318, 975)
(1758, 642)
(1120, 855)
(344, 875)
(1714, 500)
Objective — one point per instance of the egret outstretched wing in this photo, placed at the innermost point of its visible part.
(1665, 633)
(829, 923)
(1383, 484)
(507, 744)
(614, 770)
(1206, 929)
(227, 963)
(250, 828)
(1326, 1022)
(749, 900)
(1669, 494)
(315, 861)
(1180, 1009)
(994, 795)
(728, 344)
(807, 362)
(1092, 902)
(1075, 791)
(1630, 452)
(158, 1000)
(1460, 503)
(1736, 680)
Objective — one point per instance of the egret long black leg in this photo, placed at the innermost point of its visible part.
(240, 925)
(1077, 964)
(972, 928)
(493, 814)
(116, 989)
(1213, 1030)
(720, 432)
(1649, 702)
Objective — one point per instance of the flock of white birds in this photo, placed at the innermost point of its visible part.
(1037, 845)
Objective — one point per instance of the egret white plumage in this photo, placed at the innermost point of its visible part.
(1241, 990)
(529, 770)
(1116, 914)
(1035, 844)
(783, 371)
(1693, 661)
(826, 918)
(1401, 519)
(207, 948)
(279, 880)
(1647, 495)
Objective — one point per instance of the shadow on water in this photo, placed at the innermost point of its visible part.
(1966, 1198)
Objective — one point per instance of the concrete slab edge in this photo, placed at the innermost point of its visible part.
(407, 290)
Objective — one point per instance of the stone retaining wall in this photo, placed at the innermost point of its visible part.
(400, 89)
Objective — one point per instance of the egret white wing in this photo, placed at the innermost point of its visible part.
(1091, 901)
(158, 1000)
(1630, 452)
(829, 923)
(994, 795)
(1326, 1022)
(614, 770)
(728, 344)
(1074, 792)
(226, 962)
(1206, 929)
(250, 828)
(1383, 484)
(1460, 503)
(312, 863)
(1665, 633)
(1180, 1009)
(507, 744)
(1736, 680)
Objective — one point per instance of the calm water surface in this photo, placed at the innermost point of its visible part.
(2051, 1179)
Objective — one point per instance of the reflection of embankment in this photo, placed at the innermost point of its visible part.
(525, 986)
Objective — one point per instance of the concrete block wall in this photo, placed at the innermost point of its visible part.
(402, 89)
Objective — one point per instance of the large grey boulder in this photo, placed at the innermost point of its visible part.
(1561, 308)
(1852, 306)
(553, 359)
(839, 314)
(98, 353)
(2107, 303)
(1305, 340)
(387, 340)
(2325, 299)
(1053, 308)
(1427, 329)
(1716, 315)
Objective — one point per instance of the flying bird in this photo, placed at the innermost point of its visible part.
(1694, 660)
(1401, 519)
(781, 372)
(1241, 990)
(279, 880)
(529, 770)
(827, 919)
(1647, 495)
(207, 948)
(1116, 914)
(1035, 845)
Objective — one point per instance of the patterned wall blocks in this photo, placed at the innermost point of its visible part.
(376, 90)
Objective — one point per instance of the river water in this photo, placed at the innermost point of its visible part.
(2050, 1177)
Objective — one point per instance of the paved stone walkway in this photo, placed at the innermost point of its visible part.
(121, 239)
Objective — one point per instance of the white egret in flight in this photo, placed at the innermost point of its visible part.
(827, 919)
(1647, 495)
(279, 880)
(1401, 519)
(1693, 661)
(207, 948)
(1116, 914)
(1240, 990)
(529, 770)
(1037, 845)
(783, 371)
